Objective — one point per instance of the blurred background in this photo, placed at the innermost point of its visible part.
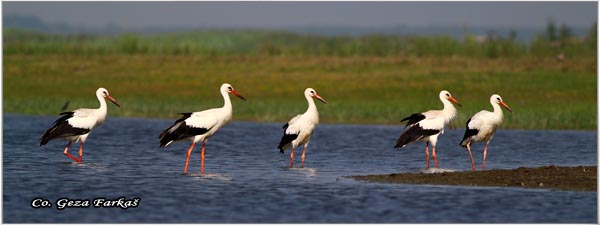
(375, 62)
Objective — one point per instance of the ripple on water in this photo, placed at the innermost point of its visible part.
(247, 180)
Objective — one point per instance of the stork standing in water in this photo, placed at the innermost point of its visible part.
(482, 126)
(299, 129)
(75, 126)
(199, 126)
(427, 126)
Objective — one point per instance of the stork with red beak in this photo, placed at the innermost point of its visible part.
(199, 126)
(482, 126)
(427, 126)
(299, 129)
(75, 126)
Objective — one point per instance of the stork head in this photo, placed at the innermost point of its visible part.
(227, 88)
(496, 99)
(312, 93)
(102, 92)
(446, 95)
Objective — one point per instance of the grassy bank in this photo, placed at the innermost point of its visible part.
(369, 79)
(544, 93)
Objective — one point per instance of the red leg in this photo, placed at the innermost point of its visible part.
(202, 159)
(427, 154)
(66, 152)
(471, 156)
(187, 159)
(80, 151)
(484, 155)
(434, 157)
(292, 158)
(303, 155)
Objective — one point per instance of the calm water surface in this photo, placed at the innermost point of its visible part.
(248, 180)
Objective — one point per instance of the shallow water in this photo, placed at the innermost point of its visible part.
(248, 180)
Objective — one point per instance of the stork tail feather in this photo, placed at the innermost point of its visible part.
(414, 133)
(61, 128)
(469, 133)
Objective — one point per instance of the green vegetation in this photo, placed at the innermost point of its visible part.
(265, 43)
(372, 79)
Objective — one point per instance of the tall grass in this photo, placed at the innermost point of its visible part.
(265, 43)
(544, 93)
(369, 79)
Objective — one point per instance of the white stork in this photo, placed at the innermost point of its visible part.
(76, 125)
(427, 126)
(482, 126)
(299, 129)
(199, 126)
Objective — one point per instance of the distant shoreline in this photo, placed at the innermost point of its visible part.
(580, 178)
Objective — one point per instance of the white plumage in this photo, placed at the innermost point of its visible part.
(482, 126)
(299, 129)
(75, 126)
(427, 126)
(199, 126)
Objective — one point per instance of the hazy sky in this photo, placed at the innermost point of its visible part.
(282, 14)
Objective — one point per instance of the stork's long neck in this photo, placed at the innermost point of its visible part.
(497, 110)
(312, 111)
(227, 102)
(102, 110)
(449, 111)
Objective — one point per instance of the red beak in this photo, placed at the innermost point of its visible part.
(452, 99)
(505, 106)
(234, 92)
(113, 101)
(320, 98)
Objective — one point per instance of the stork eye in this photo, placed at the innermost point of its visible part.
(312, 92)
(230, 88)
(498, 99)
(447, 95)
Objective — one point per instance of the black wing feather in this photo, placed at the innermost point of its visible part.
(414, 133)
(286, 139)
(468, 134)
(413, 119)
(182, 131)
(61, 128)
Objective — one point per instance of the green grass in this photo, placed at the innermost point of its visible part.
(268, 43)
(371, 79)
(544, 93)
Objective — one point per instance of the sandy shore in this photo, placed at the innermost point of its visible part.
(581, 178)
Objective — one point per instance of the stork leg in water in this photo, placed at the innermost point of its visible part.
(189, 153)
(66, 152)
(187, 159)
(303, 155)
(292, 158)
(202, 159)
